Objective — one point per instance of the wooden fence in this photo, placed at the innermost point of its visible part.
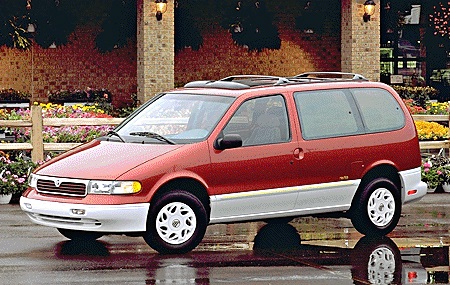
(38, 147)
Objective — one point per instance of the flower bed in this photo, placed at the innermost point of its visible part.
(431, 108)
(431, 131)
(72, 134)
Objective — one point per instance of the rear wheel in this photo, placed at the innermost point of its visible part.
(377, 209)
(76, 235)
(176, 222)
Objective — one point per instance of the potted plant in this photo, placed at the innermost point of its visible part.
(13, 176)
(433, 175)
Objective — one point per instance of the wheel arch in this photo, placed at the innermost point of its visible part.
(188, 184)
(380, 171)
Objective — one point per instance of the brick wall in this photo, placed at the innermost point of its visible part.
(78, 65)
(75, 66)
(220, 57)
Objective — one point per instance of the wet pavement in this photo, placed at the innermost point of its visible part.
(305, 251)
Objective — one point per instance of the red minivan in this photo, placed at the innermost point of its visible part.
(243, 148)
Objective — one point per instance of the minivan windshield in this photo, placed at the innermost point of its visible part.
(176, 118)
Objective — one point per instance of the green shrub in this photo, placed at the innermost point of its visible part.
(420, 95)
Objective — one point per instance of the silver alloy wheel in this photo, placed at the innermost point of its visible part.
(381, 266)
(176, 223)
(381, 207)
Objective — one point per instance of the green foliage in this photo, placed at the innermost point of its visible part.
(13, 95)
(186, 32)
(14, 173)
(13, 23)
(54, 22)
(420, 95)
(250, 25)
(88, 95)
(119, 25)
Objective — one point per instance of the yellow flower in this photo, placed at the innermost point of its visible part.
(431, 131)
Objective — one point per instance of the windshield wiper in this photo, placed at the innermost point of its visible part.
(153, 136)
(114, 133)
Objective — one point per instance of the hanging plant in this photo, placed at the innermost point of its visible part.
(186, 32)
(54, 22)
(440, 20)
(250, 25)
(13, 23)
(119, 25)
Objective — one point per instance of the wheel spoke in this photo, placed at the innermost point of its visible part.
(176, 223)
(381, 207)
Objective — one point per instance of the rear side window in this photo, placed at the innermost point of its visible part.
(344, 112)
(327, 113)
(379, 110)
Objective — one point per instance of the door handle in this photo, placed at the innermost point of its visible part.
(298, 153)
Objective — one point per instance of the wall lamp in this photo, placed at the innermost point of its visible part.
(161, 8)
(369, 9)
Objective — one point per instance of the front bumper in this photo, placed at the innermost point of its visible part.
(99, 218)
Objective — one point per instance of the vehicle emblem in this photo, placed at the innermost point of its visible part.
(57, 182)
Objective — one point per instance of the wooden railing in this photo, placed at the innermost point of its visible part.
(37, 146)
(433, 144)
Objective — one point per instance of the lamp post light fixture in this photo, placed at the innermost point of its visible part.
(161, 8)
(369, 9)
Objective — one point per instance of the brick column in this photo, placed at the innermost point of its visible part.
(360, 41)
(155, 50)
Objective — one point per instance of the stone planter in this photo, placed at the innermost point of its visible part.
(446, 187)
(5, 199)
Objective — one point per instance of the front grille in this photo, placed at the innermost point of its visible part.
(65, 188)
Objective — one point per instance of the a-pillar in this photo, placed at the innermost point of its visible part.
(360, 41)
(155, 50)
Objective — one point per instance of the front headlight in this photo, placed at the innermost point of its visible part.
(113, 187)
(32, 180)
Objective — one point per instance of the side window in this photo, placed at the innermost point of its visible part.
(260, 121)
(327, 113)
(379, 110)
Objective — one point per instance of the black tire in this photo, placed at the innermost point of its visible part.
(376, 210)
(176, 222)
(76, 235)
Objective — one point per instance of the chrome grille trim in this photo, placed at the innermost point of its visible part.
(61, 186)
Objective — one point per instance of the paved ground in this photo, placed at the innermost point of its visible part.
(330, 252)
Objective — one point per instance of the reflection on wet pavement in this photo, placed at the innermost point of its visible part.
(278, 257)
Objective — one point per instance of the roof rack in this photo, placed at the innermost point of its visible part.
(330, 75)
(248, 81)
(239, 82)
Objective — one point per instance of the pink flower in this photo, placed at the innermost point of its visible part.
(427, 165)
(439, 172)
(426, 170)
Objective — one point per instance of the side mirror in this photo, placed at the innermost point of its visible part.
(228, 141)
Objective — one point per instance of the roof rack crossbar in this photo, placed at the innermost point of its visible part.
(254, 77)
(316, 75)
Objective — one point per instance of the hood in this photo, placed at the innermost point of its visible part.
(103, 159)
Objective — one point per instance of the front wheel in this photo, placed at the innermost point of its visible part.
(176, 222)
(376, 211)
